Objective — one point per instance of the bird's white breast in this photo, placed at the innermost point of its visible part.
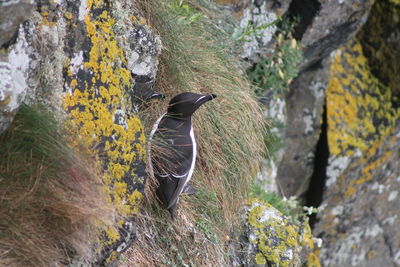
(194, 147)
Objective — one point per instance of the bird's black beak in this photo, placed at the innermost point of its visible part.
(155, 95)
(205, 98)
(212, 96)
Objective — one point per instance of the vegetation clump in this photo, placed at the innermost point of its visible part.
(229, 134)
(51, 197)
(276, 72)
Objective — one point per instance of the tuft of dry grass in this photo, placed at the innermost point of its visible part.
(230, 135)
(52, 204)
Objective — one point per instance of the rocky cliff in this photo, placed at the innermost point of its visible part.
(326, 77)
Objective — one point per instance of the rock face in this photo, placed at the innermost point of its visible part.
(273, 240)
(360, 203)
(81, 60)
(332, 25)
(257, 21)
(359, 86)
(359, 213)
(323, 27)
(12, 14)
(14, 63)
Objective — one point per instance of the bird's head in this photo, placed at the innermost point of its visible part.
(185, 104)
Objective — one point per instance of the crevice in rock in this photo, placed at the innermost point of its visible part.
(10, 42)
(314, 194)
(304, 11)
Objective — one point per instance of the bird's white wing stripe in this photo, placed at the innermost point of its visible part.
(179, 176)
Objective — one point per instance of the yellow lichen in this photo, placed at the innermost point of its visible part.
(313, 260)
(68, 15)
(275, 235)
(260, 259)
(359, 108)
(360, 114)
(371, 254)
(94, 107)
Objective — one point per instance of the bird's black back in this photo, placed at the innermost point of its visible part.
(173, 157)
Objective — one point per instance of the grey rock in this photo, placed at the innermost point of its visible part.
(14, 73)
(362, 229)
(272, 239)
(142, 47)
(304, 107)
(335, 23)
(47, 62)
(256, 25)
(12, 14)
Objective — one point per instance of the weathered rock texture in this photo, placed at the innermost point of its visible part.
(271, 239)
(359, 214)
(323, 27)
(12, 14)
(14, 62)
(333, 24)
(81, 59)
(359, 84)
(358, 220)
(257, 21)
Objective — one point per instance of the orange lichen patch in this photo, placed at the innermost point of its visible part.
(49, 17)
(371, 163)
(94, 102)
(359, 107)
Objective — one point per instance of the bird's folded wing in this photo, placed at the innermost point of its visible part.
(181, 183)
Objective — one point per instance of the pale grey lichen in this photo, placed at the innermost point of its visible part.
(393, 195)
(262, 31)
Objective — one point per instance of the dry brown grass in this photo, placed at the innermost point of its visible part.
(230, 136)
(51, 200)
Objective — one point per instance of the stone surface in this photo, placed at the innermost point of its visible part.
(12, 14)
(256, 25)
(335, 23)
(81, 60)
(14, 74)
(272, 239)
(382, 47)
(304, 107)
(98, 85)
(359, 220)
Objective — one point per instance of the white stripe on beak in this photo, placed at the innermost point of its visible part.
(200, 98)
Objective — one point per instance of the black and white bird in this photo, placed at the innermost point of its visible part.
(173, 158)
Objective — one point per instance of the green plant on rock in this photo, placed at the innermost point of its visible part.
(288, 207)
(277, 72)
(243, 33)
